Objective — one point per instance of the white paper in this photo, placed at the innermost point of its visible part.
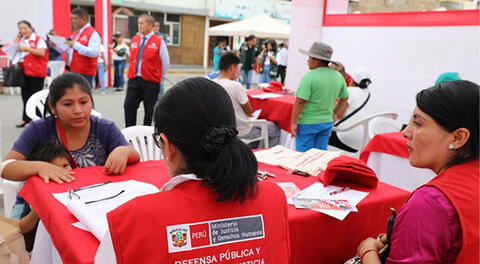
(14, 54)
(94, 215)
(318, 191)
(265, 96)
(255, 114)
(59, 41)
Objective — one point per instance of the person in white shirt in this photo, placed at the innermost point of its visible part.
(33, 60)
(229, 71)
(359, 95)
(283, 62)
(120, 54)
(269, 58)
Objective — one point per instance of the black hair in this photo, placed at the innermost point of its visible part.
(66, 81)
(228, 59)
(26, 23)
(250, 37)
(363, 83)
(148, 18)
(454, 105)
(273, 43)
(281, 45)
(48, 152)
(197, 116)
(80, 12)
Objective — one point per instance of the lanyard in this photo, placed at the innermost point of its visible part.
(63, 140)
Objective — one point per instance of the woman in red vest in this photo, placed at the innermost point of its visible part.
(212, 210)
(34, 59)
(440, 221)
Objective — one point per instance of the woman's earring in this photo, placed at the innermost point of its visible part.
(451, 146)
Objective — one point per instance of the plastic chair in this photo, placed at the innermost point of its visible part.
(381, 125)
(263, 132)
(142, 141)
(56, 68)
(36, 105)
(10, 190)
(364, 123)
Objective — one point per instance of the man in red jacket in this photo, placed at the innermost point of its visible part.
(83, 46)
(148, 65)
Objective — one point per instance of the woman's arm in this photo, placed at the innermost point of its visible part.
(119, 158)
(36, 52)
(21, 170)
(297, 110)
(28, 222)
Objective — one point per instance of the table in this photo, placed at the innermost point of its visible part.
(387, 155)
(314, 237)
(278, 110)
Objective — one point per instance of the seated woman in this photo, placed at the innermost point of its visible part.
(440, 221)
(90, 140)
(358, 97)
(213, 207)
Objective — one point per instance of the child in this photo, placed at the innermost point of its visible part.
(28, 219)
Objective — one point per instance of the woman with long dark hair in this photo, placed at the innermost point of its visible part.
(440, 221)
(214, 183)
(34, 60)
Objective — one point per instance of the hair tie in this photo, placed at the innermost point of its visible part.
(217, 137)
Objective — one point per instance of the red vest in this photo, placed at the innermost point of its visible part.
(35, 66)
(83, 64)
(151, 68)
(460, 184)
(187, 225)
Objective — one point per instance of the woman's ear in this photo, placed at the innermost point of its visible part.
(52, 109)
(169, 150)
(460, 137)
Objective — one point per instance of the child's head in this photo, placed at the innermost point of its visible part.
(53, 153)
(70, 98)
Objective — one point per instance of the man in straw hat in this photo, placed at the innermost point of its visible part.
(314, 107)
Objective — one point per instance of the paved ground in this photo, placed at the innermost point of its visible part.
(110, 105)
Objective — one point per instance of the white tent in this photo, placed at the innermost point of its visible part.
(262, 26)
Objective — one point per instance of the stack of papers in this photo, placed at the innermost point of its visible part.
(255, 114)
(290, 189)
(309, 163)
(319, 198)
(91, 204)
(265, 96)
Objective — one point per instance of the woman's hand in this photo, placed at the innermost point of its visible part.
(24, 48)
(371, 244)
(55, 173)
(117, 161)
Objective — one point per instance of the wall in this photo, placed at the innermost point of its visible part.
(38, 13)
(192, 41)
(402, 60)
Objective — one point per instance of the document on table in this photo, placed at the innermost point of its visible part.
(264, 96)
(90, 204)
(317, 197)
(256, 114)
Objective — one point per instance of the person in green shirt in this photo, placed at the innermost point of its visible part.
(314, 106)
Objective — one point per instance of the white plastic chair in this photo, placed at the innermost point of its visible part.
(142, 141)
(36, 106)
(10, 190)
(364, 123)
(381, 125)
(263, 131)
(56, 68)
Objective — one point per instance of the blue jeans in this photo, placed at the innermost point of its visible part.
(119, 69)
(101, 76)
(264, 77)
(246, 77)
(88, 78)
(313, 136)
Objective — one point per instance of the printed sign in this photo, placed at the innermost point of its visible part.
(213, 233)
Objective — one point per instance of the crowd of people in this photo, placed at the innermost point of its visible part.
(199, 125)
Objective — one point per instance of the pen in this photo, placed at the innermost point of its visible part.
(340, 190)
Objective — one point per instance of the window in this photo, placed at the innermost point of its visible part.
(172, 29)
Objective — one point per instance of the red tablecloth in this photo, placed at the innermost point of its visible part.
(278, 110)
(314, 237)
(390, 143)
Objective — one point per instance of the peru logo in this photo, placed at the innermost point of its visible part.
(179, 237)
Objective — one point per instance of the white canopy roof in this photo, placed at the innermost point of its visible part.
(262, 26)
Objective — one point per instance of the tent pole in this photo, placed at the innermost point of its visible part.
(205, 44)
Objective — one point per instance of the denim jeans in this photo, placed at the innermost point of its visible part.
(119, 69)
(246, 77)
(313, 136)
(101, 76)
(264, 77)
